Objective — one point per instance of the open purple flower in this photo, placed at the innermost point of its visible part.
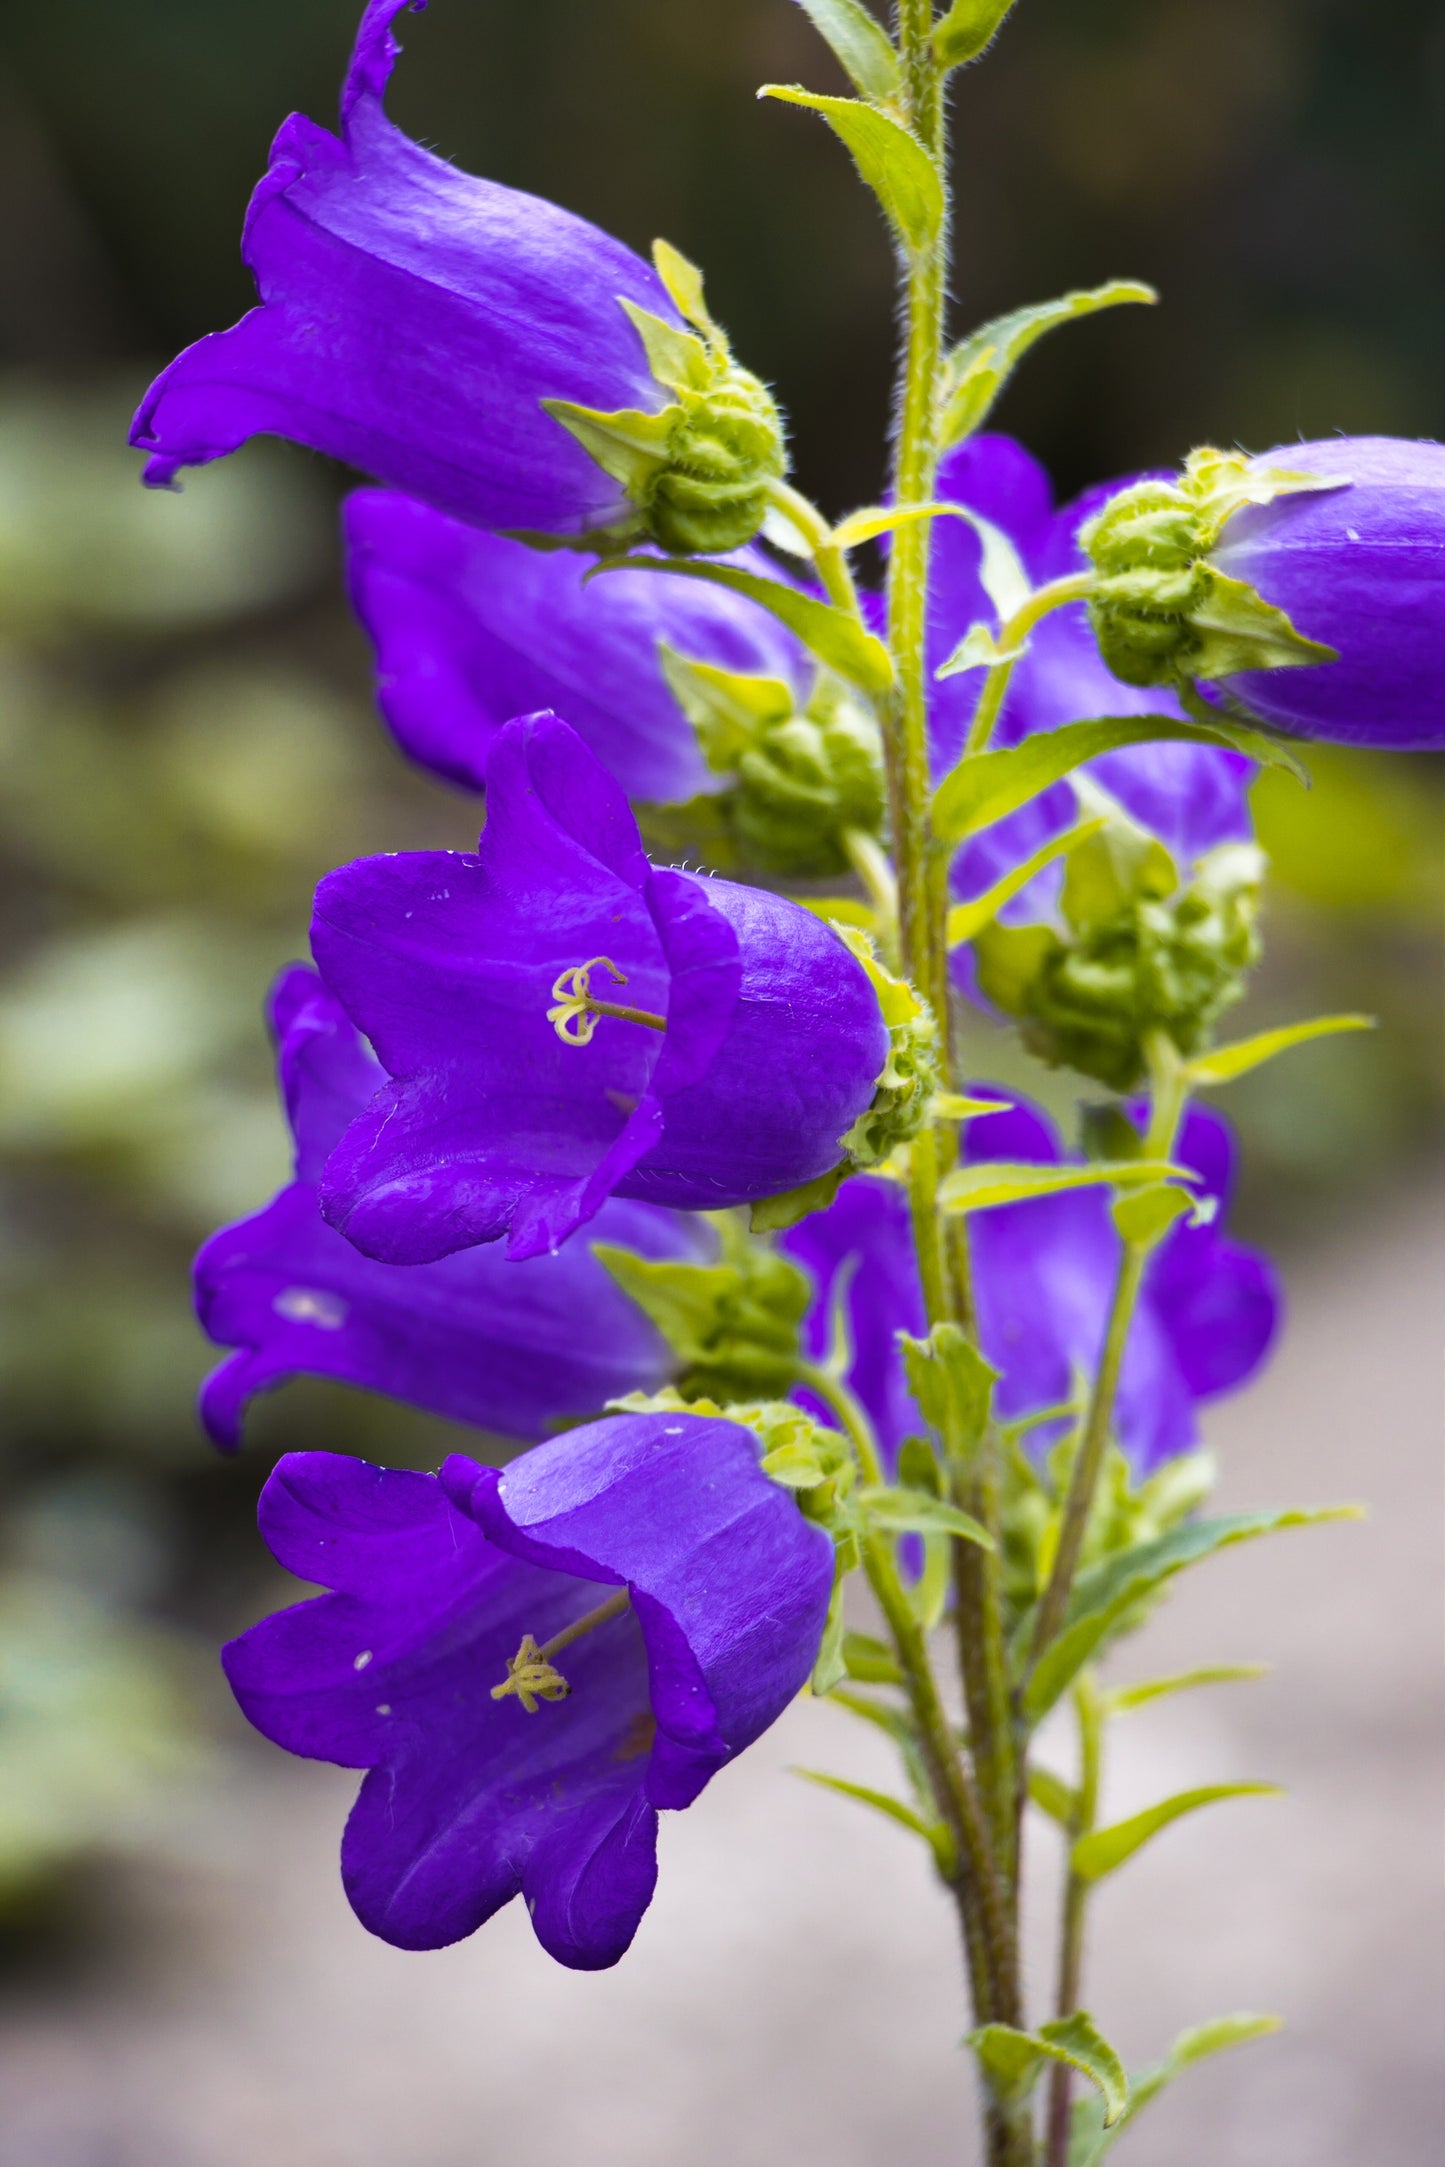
(516, 1348)
(411, 320)
(510, 1753)
(471, 629)
(729, 1041)
(1044, 1274)
(1192, 797)
(1360, 569)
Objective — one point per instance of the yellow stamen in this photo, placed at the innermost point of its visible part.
(530, 1675)
(575, 1016)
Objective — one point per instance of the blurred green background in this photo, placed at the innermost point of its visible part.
(186, 736)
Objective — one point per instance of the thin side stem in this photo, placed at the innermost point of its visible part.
(1090, 1714)
(1012, 635)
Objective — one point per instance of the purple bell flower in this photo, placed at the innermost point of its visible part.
(730, 1040)
(515, 1348)
(1360, 569)
(471, 629)
(411, 319)
(1044, 1276)
(493, 1770)
(1192, 797)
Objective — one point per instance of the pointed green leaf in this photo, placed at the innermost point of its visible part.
(1011, 2059)
(881, 1714)
(683, 281)
(1050, 1793)
(682, 1300)
(934, 1834)
(870, 1661)
(861, 45)
(966, 29)
(914, 1512)
(967, 919)
(829, 1668)
(830, 634)
(1120, 1699)
(954, 1106)
(676, 358)
(979, 650)
(893, 163)
(1090, 2140)
(1227, 1062)
(1241, 631)
(1147, 1214)
(1104, 1597)
(628, 444)
(1103, 1849)
(928, 1594)
(774, 1214)
(1004, 1181)
(979, 367)
(876, 519)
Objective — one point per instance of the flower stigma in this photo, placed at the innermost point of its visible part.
(530, 1673)
(576, 1014)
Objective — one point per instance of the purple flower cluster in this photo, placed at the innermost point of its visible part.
(507, 1058)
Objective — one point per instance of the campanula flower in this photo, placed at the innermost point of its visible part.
(1044, 1275)
(515, 1348)
(413, 319)
(471, 629)
(530, 1663)
(562, 1021)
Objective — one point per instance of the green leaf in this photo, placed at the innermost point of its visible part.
(1103, 1849)
(682, 1300)
(894, 163)
(952, 1384)
(1005, 1181)
(1050, 1793)
(979, 367)
(1090, 2140)
(1104, 1596)
(870, 1661)
(990, 785)
(966, 29)
(967, 919)
(859, 42)
(1011, 2060)
(1146, 1214)
(676, 358)
(1120, 1699)
(934, 1834)
(627, 444)
(914, 1512)
(928, 1594)
(955, 1106)
(774, 1214)
(830, 634)
(1227, 1062)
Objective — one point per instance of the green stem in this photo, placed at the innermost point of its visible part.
(1169, 1087)
(871, 863)
(1088, 1708)
(813, 528)
(850, 1412)
(983, 1660)
(1052, 596)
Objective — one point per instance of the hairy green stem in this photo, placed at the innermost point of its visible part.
(1089, 1711)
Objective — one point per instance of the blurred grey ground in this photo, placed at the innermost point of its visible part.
(793, 1995)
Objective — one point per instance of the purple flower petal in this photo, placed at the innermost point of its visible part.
(471, 629)
(1362, 569)
(411, 319)
(470, 1800)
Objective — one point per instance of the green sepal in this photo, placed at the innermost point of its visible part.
(683, 283)
(977, 369)
(916, 1512)
(1090, 2140)
(934, 1833)
(726, 708)
(1120, 1700)
(1012, 2060)
(628, 444)
(904, 1094)
(830, 634)
(965, 31)
(860, 44)
(678, 359)
(918, 1467)
(1104, 1849)
(1224, 1063)
(775, 1214)
(1107, 1596)
(892, 161)
(966, 920)
(953, 1386)
(985, 1186)
(733, 1325)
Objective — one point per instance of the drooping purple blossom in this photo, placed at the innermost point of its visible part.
(1192, 797)
(771, 1046)
(471, 629)
(411, 319)
(437, 1581)
(514, 1348)
(1361, 569)
(1044, 1275)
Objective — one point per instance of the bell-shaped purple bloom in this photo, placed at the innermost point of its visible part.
(1193, 797)
(1044, 1275)
(442, 1582)
(752, 1042)
(1361, 569)
(515, 1348)
(471, 629)
(411, 319)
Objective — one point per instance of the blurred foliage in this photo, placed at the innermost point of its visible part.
(186, 741)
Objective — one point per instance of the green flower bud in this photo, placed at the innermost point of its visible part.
(698, 471)
(733, 1325)
(1162, 613)
(800, 782)
(910, 1075)
(1143, 953)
